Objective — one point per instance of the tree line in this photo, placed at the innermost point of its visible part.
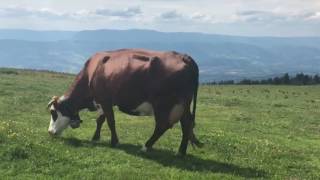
(286, 79)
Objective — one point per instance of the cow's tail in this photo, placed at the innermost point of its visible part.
(192, 137)
(195, 94)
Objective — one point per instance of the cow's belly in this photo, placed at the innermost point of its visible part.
(144, 109)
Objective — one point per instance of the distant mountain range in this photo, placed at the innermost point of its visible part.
(219, 57)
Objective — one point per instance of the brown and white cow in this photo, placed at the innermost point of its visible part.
(139, 82)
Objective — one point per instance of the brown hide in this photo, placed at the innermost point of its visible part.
(127, 78)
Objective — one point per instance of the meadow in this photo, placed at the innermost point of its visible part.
(249, 132)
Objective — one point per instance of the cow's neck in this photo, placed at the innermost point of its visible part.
(78, 94)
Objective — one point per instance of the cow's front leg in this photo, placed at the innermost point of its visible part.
(108, 112)
(100, 120)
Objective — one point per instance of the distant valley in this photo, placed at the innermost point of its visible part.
(219, 57)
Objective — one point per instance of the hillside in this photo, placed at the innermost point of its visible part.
(219, 57)
(249, 132)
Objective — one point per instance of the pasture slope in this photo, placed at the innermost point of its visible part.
(258, 132)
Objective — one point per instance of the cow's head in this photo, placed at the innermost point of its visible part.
(62, 115)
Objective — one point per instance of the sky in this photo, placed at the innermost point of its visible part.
(232, 17)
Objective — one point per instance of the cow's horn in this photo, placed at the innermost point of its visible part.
(54, 99)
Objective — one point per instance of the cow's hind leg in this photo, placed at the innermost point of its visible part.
(108, 112)
(162, 125)
(186, 126)
(159, 130)
(100, 120)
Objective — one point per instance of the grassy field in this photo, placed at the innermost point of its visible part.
(263, 132)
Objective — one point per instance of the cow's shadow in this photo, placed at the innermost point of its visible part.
(170, 159)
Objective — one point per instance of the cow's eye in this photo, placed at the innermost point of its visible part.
(54, 115)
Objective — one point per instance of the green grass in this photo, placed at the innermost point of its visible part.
(263, 132)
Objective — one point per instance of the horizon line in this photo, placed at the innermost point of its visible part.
(157, 31)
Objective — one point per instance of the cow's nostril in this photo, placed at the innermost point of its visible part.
(51, 133)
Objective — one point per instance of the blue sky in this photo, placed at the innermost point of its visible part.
(235, 17)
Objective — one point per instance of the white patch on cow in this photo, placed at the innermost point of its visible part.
(99, 108)
(62, 98)
(144, 109)
(56, 127)
(52, 107)
(144, 148)
(176, 113)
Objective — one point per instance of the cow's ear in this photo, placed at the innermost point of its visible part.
(53, 101)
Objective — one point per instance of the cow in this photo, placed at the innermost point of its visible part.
(140, 83)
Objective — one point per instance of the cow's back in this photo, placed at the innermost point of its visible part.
(130, 76)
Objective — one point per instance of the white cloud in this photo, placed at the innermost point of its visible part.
(46, 13)
(176, 16)
(170, 15)
(276, 17)
(260, 16)
(238, 17)
(204, 18)
(13, 12)
(312, 16)
(127, 12)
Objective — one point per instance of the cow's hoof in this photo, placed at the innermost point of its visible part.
(181, 154)
(145, 149)
(95, 138)
(114, 144)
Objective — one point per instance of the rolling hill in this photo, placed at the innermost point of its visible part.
(220, 57)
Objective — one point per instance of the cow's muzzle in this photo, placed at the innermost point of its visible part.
(52, 133)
